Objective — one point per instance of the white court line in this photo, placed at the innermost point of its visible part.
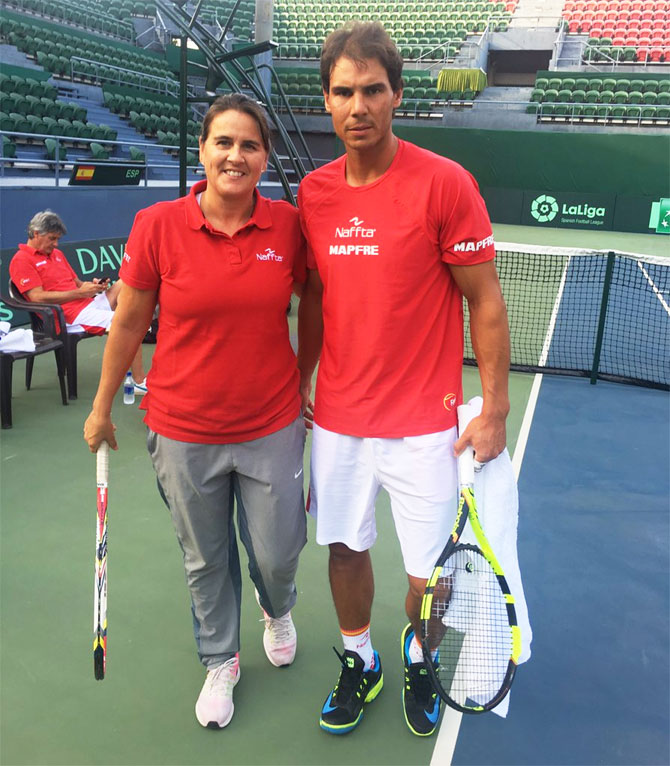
(447, 734)
(657, 292)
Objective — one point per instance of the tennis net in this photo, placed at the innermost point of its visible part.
(593, 313)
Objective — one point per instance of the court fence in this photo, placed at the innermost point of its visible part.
(591, 313)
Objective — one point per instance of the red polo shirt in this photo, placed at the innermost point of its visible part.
(223, 369)
(31, 268)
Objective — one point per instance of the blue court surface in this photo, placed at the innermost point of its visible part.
(593, 545)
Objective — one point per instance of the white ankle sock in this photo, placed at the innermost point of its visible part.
(359, 642)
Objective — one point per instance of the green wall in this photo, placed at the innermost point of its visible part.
(635, 165)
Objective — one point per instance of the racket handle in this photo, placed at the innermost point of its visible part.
(102, 463)
(466, 460)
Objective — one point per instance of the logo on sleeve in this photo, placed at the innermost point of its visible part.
(473, 247)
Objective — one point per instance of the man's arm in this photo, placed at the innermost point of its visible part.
(489, 331)
(310, 336)
(84, 290)
(131, 320)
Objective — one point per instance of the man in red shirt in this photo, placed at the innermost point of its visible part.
(43, 275)
(398, 236)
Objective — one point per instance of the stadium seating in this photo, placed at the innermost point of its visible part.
(623, 31)
(53, 46)
(639, 100)
(87, 14)
(428, 31)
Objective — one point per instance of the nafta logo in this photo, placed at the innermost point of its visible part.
(269, 255)
(356, 231)
(544, 208)
(449, 402)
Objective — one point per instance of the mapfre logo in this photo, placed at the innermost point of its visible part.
(356, 231)
(269, 255)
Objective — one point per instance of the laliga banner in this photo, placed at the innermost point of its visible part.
(568, 210)
(89, 259)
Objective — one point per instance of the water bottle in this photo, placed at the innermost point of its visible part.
(129, 389)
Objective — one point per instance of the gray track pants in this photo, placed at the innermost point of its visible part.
(199, 483)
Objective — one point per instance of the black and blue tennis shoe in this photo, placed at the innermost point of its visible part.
(420, 702)
(343, 709)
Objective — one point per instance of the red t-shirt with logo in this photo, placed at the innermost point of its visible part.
(31, 268)
(391, 363)
(223, 369)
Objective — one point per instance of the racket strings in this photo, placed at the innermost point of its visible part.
(470, 626)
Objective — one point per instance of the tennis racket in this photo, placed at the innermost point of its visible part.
(100, 591)
(467, 612)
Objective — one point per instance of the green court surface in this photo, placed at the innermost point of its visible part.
(54, 712)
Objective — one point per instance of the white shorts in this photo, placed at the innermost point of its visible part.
(98, 313)
(418, 472)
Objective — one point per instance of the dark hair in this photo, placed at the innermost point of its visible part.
(240, 103)
(360, 40)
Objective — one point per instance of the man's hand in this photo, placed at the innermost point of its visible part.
(486, 435)
(97, 429)
(91, 289)
(307, 405)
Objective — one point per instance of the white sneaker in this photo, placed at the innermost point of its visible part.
(280, 639)
(141, 388)
(214, 707)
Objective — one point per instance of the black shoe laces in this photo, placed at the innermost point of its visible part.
(419, 684)
(350, 681)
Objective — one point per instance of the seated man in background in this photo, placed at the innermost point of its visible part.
(43, 275)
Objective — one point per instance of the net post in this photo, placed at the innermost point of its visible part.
(603, 314)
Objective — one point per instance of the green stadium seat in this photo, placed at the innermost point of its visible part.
(621, 97)
(635, 97)
(606, 97)
(578, 96)
(98, 152)
(651, 86)
(663, 86)
(51, 126)
(19, 122)
(650, 98)
(51, 145)
(541, 83)
(581, 83)
(633, 112)
(564, 96)
(550, 95)
(136, 155)
(8, 147)
(623, 83)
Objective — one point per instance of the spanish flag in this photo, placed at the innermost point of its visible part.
(85, 172)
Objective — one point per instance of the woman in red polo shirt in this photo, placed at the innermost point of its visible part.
(223, 409)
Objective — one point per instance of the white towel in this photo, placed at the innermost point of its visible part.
(17, 340)
(498, 509)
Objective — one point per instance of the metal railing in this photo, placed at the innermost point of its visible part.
(603, 114)
(66, 164)
(115, 75)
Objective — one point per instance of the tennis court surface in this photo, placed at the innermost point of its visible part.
(594, 555)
